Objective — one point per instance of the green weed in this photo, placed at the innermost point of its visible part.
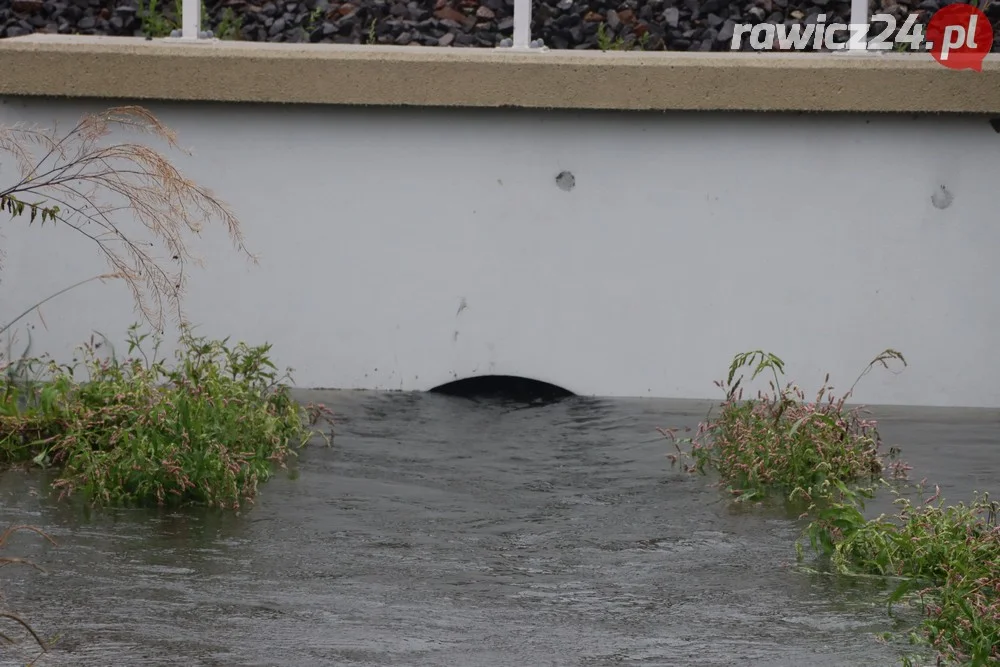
(313, 21)
(606, 43)
(154, 22)
(207, 429)
(945, 558)
(781, 443)
(230, 25)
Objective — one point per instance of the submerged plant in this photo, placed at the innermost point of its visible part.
(781, 443)
(206, 430)
(945, 558)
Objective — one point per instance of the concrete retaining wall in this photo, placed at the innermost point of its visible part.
(405, 247)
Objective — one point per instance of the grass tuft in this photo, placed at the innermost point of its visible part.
(206, 430)
(946, 559)
(780, 443)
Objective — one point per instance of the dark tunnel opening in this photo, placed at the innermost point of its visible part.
(503, 387)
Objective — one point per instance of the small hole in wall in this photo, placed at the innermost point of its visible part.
(995, 124)
(565, 180)
(942, 198)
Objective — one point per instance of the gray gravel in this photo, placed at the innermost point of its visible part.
(675, 25)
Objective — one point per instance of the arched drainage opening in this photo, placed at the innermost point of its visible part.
(508, 387)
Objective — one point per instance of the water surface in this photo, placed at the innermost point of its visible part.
(443, 531)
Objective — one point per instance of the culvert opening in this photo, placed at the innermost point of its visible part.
(506, 387)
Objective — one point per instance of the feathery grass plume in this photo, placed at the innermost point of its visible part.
(93, 187)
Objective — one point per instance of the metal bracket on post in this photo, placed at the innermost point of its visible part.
(522, 30)
(191, 23)
(860, 22)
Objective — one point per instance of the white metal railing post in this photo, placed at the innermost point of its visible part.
(859, 22)
(522, 24)
(191, 19)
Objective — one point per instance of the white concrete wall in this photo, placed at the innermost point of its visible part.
(688, 238)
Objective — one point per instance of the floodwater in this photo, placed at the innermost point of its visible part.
(444, 531)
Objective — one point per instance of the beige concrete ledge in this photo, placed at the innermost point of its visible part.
(138, 69)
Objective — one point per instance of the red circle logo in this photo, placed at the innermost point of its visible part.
(960, 36)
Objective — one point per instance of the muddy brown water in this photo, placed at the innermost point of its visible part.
(444, 531)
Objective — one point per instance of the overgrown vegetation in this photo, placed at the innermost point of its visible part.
(946, 560)
(137, 431)
(207, 429)
(943, 559)
(780, 443)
